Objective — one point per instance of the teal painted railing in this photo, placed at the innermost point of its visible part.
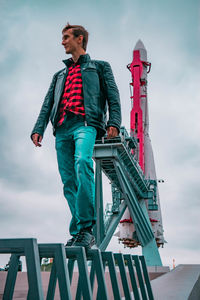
(91, 265)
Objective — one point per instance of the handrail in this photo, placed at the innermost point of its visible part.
(62, 270)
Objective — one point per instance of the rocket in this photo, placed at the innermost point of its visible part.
(139, 128)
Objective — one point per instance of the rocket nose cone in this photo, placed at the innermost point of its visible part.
(139, 45)
(143, 52)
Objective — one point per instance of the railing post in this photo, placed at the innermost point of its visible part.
(84, 287)
(108, 257)
(59, 270)
(120, 261)
(99, 229)
(11, 277)
(128, 258)
(146, 277)
(97, 268)
(33, 270)
(52, 283)
(140, 277)
(29, 249)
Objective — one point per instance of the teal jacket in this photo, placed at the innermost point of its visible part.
(99, 91)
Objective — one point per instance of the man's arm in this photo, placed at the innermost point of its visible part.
(114, 107)
(43, 118)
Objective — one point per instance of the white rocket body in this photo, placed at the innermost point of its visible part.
(127, 232)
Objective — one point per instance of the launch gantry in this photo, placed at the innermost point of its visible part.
(128, 162)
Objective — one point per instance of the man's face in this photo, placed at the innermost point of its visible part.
(71, 43)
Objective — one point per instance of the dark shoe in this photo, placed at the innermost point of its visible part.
(84, 239)
(70, 242)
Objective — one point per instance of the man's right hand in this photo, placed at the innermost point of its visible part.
(37, 138)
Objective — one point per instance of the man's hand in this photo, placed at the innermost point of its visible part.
(37, 138)
(112, 132)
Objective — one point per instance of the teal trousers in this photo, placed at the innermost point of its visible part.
(74, 146)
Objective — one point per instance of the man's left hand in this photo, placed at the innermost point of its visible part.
(112, 132)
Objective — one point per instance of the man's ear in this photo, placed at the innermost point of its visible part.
(80, 39)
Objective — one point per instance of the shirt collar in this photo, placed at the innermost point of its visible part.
(82, 59)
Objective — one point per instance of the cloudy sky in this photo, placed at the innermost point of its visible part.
(31, 200)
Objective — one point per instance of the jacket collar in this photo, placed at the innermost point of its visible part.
(82, 59)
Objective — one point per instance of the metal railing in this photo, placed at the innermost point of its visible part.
(125, 270)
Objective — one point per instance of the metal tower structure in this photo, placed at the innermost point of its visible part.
(128, 163)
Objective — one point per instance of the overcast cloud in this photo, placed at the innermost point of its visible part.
(31, 200)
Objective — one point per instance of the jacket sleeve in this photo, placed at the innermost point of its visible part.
(43, 118)
(113, 98)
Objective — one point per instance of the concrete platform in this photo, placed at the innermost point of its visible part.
(180, 284)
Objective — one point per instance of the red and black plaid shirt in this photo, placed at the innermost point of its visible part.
(72, 99)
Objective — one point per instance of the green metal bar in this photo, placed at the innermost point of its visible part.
(59, 270)
(12, 245)
(52, 283)
(92, 275)
(99, 290)
(29, 248)
(97, 268)
(128, 258)
(140, 277)
(62, 273)
(71, 268)
(150, 250)
(108, 257)
(99, 229)
(151, 254)
(78, 253)
(146, 278)
(84, 282)
(120, 261)
(113, 225)
(11, 277)
(33, 270)
(116, 198)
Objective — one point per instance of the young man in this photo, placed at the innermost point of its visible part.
(76, 104)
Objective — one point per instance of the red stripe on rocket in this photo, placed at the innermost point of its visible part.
(137, 119)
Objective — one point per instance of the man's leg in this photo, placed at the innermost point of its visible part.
(65, 157)
(84, 138)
